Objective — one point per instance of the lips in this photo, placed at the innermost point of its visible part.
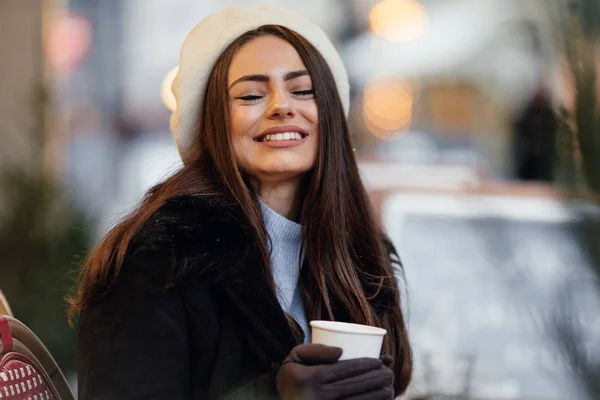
(281, 132)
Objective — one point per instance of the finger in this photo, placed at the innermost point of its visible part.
(315, 354)
(364, 383)
(387, 360)
(386, 393)
(349, 368)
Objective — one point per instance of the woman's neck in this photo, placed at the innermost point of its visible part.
(281, 197)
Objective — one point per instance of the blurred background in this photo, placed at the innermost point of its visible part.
(477, 131)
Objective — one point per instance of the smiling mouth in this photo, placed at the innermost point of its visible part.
(281, 137)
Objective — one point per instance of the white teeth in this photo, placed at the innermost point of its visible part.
(283, 136)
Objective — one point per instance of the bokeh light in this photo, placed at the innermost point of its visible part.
(69, 41)
(398, 20)
(387, 107)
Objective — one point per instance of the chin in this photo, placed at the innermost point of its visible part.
(286, 170)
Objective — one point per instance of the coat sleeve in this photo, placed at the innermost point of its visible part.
(133, 341)
(261, 388)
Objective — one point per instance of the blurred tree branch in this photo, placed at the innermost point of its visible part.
(580, 126)
(580, 176)
(41, 235)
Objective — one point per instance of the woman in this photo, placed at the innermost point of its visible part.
(206, 289)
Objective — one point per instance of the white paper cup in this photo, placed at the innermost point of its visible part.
(356, 341)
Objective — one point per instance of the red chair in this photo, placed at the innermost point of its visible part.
(4, 307)
(27, 370)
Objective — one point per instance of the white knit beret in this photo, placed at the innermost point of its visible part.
(207, 41)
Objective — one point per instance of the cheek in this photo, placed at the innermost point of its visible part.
(243, 120)
(315, 149)
(311, 113)
(315, 115)
(237, 130)
(312, 116)
(236, 123)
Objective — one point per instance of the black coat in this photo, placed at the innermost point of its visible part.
(190, 315)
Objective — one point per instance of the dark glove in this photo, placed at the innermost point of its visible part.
(313, 372)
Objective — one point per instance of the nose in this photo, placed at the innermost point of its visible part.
(281, 106)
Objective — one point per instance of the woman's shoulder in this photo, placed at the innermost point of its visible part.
(184, 217)
(191, 234)
(189, 221)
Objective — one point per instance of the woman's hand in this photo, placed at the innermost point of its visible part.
(312, 371)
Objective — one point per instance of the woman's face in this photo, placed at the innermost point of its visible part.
(273, 111)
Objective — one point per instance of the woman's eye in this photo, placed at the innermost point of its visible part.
(249, 98)
(306, 93)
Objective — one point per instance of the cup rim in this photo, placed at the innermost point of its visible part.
(346, 327)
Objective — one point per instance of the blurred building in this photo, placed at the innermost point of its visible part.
(445, 82)
(21, 79)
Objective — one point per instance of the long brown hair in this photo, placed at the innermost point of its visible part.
(348, 258)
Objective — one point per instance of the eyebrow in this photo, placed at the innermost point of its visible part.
(264, 78)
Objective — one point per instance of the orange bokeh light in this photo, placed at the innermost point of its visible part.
(398, 20)
(387, 107)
